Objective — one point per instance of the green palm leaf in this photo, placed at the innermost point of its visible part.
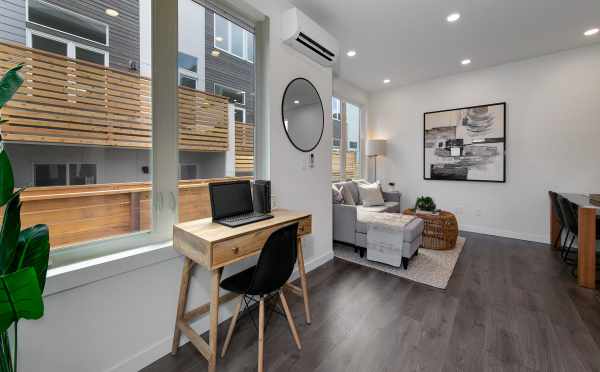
(7, 182)
(33, 250)
(9, 235)
(9, 84)
(20, 297)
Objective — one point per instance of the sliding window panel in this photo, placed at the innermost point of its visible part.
(353, 156)
(216, 115)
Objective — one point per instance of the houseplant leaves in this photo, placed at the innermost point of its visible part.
(33, 250)
(20, 297)
(9, 84)
(7, 182)
(9, 235)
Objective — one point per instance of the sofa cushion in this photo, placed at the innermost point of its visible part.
(370, 194)
(361, 227)
(347, 196)
(351, 188)
(336, 195)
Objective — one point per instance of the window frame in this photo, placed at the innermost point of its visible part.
(181, 165)
(71, 45)
(344, 145)
(86, 18)
(230, 41)
(242, 92)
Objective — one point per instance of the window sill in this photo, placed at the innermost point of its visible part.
(85, 272)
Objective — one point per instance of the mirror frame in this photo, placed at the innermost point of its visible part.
(283, 115)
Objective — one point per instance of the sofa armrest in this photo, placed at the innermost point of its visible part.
(390, 196)
(344, 223)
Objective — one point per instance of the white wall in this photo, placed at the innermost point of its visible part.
(125, 321)
(553, 131)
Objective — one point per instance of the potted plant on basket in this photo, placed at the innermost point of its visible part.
(23, 254)
(425, 204)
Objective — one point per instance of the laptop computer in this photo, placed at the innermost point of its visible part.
(232, 205)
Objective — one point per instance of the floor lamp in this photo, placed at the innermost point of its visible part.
(375, 148)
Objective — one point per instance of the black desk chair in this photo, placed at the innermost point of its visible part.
(571, 216)
(273, 270)
(561, 220)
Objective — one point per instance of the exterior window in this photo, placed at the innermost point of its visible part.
(188, 70)
(187, 62)
(233, 39)
(65, 47)
(187, 82)
(59, 19)
(49, 45)
(50, 174)
(345, 153)
(89, 55)
(82, 174)
(240, 115)
(188, 172)
(235, 96)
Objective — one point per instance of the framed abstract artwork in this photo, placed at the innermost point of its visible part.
(465, 144)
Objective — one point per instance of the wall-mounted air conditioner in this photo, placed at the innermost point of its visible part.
(306, 36)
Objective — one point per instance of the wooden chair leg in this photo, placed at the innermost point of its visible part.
(288, 315)
(234, 319)
(261, 334)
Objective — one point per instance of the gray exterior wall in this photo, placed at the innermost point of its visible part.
(113, 165)
(229, 70)
(12, 21)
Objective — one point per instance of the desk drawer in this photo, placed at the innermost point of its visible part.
(247, 245)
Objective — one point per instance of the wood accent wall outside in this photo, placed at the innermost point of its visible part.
(69, 101)
(76, 214)
(244, 147)
(352, 171)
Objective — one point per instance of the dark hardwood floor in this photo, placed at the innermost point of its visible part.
(510, 306)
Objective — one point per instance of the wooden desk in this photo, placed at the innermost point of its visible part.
(215, 246)
(586, 257)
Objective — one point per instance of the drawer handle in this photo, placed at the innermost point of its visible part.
(235, 250)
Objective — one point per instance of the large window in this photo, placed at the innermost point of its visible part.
(233, 39)
(83, 137)
(345, 153)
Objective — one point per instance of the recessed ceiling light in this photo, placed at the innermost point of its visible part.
(219, 39)
(453, 17)
(465, 62)
(386, 81)
(215, 53)
(296, 102)
(351, 53)
(591, 32)
(111, 12)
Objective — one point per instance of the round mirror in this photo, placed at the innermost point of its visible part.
(302, 114)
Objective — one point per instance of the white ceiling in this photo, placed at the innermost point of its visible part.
(410, 40)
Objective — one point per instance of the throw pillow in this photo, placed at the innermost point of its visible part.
(371, 194)
(347, 195)
(336, 195)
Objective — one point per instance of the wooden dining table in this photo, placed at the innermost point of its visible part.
(586, 257)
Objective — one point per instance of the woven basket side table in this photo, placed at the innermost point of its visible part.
(441, 229)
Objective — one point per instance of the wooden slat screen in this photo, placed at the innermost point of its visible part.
(352, 171)
(244, 147)
(64, 100)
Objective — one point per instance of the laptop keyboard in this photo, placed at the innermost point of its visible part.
(241, 217)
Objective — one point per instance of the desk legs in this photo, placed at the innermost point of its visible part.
(303, 281)
(215, 279)
(182, 303)
(586, 265)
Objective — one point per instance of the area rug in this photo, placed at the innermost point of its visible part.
(430, 267)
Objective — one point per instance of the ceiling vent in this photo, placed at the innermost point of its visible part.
(307, 37)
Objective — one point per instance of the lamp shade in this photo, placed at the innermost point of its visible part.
(376, 147)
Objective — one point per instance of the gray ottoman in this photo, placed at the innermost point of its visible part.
(413, 238)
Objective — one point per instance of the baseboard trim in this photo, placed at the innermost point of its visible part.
(505, 233)
(162, 347)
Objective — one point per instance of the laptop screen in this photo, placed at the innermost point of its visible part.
(230, 198)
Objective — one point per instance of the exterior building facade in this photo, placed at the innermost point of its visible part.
(116, 34)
